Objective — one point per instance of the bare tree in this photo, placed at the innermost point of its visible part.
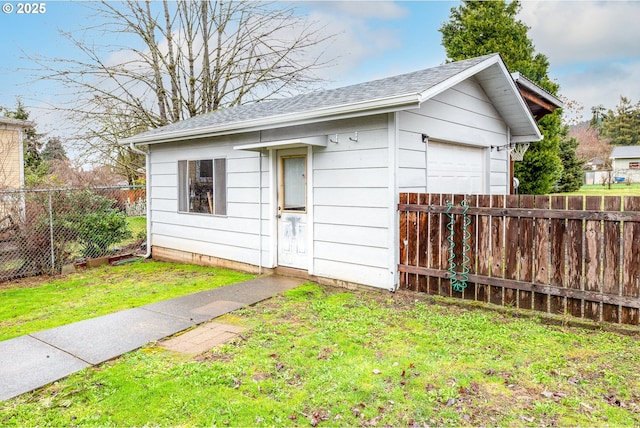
(183, 59)
(591, 143)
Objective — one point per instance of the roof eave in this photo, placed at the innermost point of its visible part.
(16, 123)
(529, 85)
(344, 111)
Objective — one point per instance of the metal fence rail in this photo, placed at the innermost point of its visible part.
(42, 230)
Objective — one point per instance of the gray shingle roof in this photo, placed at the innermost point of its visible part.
(404, 84)
(621, 152)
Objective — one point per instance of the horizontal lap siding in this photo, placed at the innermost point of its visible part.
(10, 158)
(350, 206)
(234, 236)
(411, 162)
(499, 167)
(462, 115)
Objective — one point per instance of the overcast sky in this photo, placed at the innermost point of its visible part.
(593, 47)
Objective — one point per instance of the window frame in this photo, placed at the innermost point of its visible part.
(217, 202)
(281, 196)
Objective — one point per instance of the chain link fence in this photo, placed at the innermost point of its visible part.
(43, 230)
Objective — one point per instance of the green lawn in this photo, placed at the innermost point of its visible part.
(137, 226)
(322, 356)
(36, 304)
(620, 189)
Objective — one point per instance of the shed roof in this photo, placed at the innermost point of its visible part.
(379, 96)
(622, 152)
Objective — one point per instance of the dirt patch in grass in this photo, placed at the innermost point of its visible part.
(213, 356)
(30, 282)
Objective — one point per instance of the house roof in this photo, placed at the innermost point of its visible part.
(379, 96)
(622, 152)
(6, 122)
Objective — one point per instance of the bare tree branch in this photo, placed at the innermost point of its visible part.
(182, 59)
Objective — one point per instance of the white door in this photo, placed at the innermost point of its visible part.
(292, 209)
(453, 168)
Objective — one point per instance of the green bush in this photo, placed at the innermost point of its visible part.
(83, 222)
(100, 230)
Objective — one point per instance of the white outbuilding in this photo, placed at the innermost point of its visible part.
(310, 184)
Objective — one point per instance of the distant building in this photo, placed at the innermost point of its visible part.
(595, 164)
(11, 152)
(625, 162)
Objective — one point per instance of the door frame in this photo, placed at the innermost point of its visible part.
(274, 178)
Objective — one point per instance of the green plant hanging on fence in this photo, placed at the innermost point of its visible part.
(459, 279)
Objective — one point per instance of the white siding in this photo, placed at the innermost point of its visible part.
(462, 115)
(349, 202)
(354, 185)
(351, 208)
(350, 199)
(234, 236)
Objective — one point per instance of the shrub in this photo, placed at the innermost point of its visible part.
(82, 222)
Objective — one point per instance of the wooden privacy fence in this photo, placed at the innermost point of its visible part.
(556, 254)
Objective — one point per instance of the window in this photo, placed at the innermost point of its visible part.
(634, 165)
(202, 186)
(294, 192)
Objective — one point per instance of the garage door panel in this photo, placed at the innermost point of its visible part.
(454, 168)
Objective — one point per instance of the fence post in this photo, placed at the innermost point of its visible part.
(53, 257)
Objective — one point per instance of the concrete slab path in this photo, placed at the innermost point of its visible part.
(32, 361)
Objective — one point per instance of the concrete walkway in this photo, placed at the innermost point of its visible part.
(35, 360)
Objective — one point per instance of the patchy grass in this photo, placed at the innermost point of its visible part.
(322, 356)
(35, 304)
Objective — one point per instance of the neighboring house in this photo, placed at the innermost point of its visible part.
(11, 153)
(595, 164)
(625, 162)
(312, 182)
(596, 172)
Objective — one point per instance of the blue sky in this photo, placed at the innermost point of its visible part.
(593, 47)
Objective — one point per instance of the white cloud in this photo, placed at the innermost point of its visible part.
(593, 48)
(603, 84)
(361, 34)
(356, 40)
(570, 31)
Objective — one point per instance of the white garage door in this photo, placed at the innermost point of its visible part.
(455, 169)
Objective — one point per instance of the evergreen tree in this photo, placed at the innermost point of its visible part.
(597, 115)
(541, 166)
(622, 126)
(53, 150)
(572, 174)
(480, 28)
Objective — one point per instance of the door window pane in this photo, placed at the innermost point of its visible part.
(294, 182)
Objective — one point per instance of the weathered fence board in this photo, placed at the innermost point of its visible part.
(575, 255)
(611, 246)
